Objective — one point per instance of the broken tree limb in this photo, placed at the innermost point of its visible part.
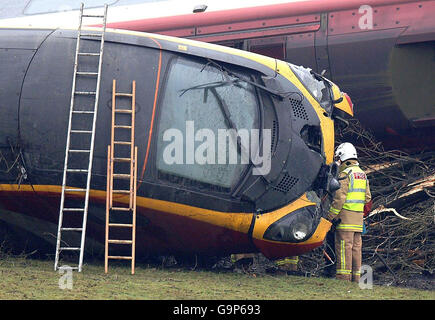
(381, 209)
(384, 263)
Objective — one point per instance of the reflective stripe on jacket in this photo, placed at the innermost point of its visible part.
(356, 193)
(288, 260)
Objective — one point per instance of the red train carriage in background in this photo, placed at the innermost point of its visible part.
(379, 51)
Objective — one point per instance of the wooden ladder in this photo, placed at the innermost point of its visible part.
(118, 152)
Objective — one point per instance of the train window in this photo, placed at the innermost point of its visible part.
(199, 108)
(270, 46)
(318, 88)
(47, 6)
(12, 8)
(127, 2)
(276, 50)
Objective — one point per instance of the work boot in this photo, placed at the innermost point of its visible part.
(346, 277)
(292, 267)
(355, 278)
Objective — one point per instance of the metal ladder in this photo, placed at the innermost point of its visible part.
(114, 156)
(79, 76)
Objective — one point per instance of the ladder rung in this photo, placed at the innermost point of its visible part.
(77, 170)
(71, 229)
(120, 241)
(122, 159)
(84, 151)
(90, 35)
(83, 111)
(122, 127)
(92, 16)
(121, 176)
(121, 225)
(121, 208)
(73, 209)
(121, 191)
(69, 249)
(89, 93)
(122, 111)
(120, 257)
(81, 131)
(121, 142)
(120, 94)
(75, 190)
(88, 54)
(83, 73)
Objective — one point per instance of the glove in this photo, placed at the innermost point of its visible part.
(336, 222)
(367, 208)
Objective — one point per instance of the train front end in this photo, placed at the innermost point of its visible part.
(293, 198)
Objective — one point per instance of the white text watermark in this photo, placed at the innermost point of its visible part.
(366, 19)
(231, 146)
(66, 279)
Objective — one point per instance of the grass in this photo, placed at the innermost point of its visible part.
(35, 279)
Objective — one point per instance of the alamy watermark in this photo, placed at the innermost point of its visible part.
(366, 279)
(365, 21)
(66, 279)
(231, 146)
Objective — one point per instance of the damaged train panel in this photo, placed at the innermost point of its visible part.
(183, 86)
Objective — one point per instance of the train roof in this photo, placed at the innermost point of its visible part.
(254, 61)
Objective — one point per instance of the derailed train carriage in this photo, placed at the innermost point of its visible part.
(183, 207)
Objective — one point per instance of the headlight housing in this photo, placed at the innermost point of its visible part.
(296, 226)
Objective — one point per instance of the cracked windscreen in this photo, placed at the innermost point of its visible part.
(318, 89)
(200, 107)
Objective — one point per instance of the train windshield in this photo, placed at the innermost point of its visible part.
(204, 117)
(47, 6)
(318, 87)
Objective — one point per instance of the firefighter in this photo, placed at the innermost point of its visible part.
(350, 203)
(288, 264)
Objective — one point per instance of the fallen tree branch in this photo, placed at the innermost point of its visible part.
(381, 209)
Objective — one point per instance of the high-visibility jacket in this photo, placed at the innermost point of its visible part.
(356, 193)
(349, 200)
